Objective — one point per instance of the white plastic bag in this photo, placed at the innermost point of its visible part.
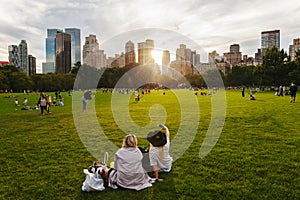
(93, 182)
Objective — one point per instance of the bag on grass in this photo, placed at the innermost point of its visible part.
(93, 180)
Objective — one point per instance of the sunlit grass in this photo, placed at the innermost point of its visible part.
(256, 157)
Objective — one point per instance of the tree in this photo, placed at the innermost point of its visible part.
(4, 81)
(20, 81)
(195, 80)
(273, 68)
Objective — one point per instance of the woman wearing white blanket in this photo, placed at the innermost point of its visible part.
(128, 171)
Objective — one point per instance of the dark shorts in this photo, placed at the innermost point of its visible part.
(293, 94)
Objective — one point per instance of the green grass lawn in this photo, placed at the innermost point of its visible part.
(256, 157)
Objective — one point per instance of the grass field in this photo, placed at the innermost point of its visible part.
(256, 157)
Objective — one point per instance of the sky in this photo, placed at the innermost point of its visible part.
(213, 24)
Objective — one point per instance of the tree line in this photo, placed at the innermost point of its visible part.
(276, 69)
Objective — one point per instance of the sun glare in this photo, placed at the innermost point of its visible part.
(157, 56)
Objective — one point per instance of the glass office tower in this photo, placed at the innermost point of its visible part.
(270, 39)
(75, 44)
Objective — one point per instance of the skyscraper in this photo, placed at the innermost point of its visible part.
(31, 65)
(51, 44)
(145, 52)
(129, 53)
(184, 60)
(195, 58)
(23, 57)
(63, 53)
(50, 65)
(165, 61)
(92, 56)
(295, 47)
(234, 56)
(75, 44)
(270, 39)
(13, 55)
(234, 48)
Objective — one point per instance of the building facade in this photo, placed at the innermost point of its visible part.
(50, 64)
(270, 39)
(295, 47)
(75, 44)
(31, 65)
(129, 53)
(117, 61)
(145, 52)
(23, 57)
(51, 44)
(234, 56)
(92, 56)
(13, 55)
(63, 53)
(186, 60)
(48, 67)
(258, 57)
(165, 62)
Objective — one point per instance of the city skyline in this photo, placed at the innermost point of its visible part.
(213, 25)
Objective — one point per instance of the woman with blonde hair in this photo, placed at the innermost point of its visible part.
(159, 156)
(128, 171)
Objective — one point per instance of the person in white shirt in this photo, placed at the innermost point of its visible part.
(25, 102)
(160, 159)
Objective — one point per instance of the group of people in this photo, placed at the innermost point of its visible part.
(128, 171)
(45, 101)
(292, 92)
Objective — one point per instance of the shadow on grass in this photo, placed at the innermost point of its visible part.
(159, 190)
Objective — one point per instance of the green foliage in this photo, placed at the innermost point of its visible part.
(277, 69)
(241, 76)
(274, 67)
(4, 81)
(195, 80)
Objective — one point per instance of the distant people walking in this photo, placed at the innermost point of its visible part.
(280, 90)
(49, 102)
(293, 91)
(43, 102)
(243, 92)
(137, 95)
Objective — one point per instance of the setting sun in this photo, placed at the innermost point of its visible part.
(157, 56)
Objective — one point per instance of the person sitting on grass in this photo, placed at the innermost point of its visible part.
(25, 102)
(128, 171)
(159, 156)
(252, 97)
(16, 102)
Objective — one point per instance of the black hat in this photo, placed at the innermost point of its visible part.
(157, 138)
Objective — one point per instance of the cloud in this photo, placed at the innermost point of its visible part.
(213, 24)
